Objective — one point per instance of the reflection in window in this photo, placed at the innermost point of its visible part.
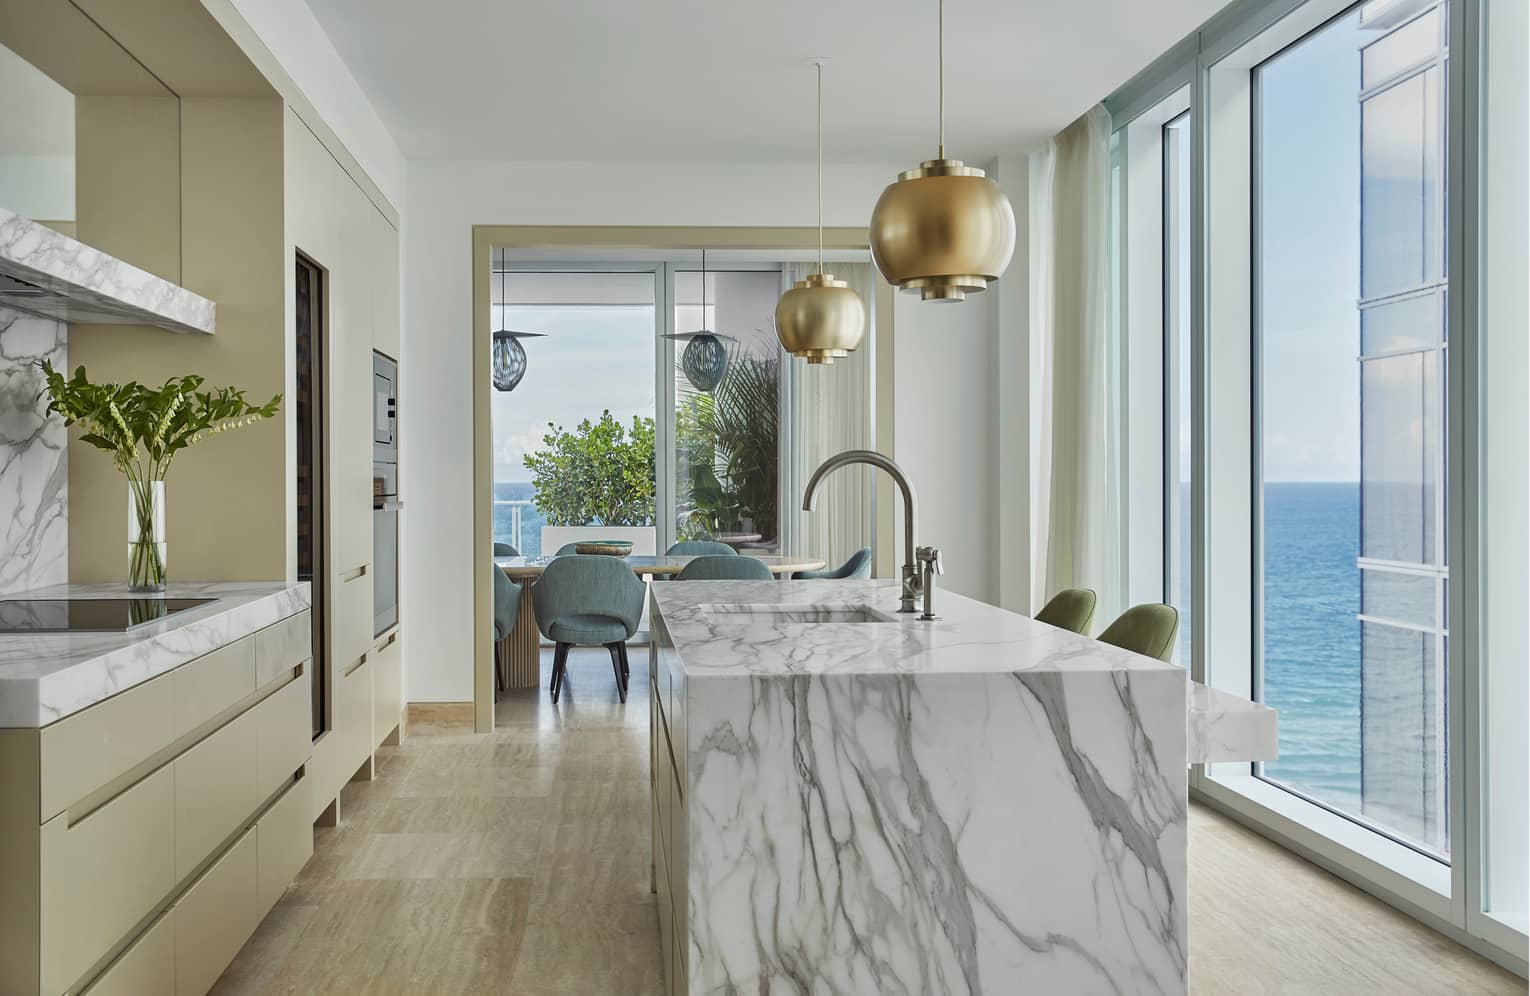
(1176, 310)
(1350, 207)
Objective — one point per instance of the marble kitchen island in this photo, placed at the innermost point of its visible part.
(848, 800)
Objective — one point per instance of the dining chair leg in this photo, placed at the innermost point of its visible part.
(560, 665)
(626, 667)
(616, 668)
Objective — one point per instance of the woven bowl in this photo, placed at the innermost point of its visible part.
(605, 548)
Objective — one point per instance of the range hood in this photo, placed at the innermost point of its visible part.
(45, 273)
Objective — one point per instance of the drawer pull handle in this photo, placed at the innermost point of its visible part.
(353, 575)
(352, 669)
(390, 641)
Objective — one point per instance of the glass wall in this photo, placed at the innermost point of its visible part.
(1349, 207)
(726, 437)
(574, 441)
(1343, 256)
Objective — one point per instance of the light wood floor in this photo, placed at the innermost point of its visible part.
(518, 863)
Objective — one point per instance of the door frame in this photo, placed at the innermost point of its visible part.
(670, 239)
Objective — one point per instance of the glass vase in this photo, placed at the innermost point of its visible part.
(146, 536)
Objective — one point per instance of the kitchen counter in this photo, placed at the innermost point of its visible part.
(47, 676)
(979, 804)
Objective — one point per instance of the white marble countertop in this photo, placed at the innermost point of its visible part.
(737, 628)
(47, 676)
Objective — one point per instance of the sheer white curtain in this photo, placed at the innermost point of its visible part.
(825, 409)
(1074, 535)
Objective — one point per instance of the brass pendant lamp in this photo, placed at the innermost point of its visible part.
(943, 229)
(820, 318)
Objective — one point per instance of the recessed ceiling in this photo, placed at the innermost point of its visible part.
(666, 80)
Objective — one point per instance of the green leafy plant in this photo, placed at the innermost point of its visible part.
(143, 428)
(729, 439)
(595, 475)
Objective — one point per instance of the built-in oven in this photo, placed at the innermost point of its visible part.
(385, 504)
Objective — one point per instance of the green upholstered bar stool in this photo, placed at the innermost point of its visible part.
(1070, 609)
(507, 606)
(588, 602)
(505, 550)
(700, 548)
(719, 568)
(857, 566)
(1145, 629)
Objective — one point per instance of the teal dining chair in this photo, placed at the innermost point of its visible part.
(734, 568)
(1144, 629)
(858, 566)
(700, 548)
(567, 550)
(1071, 609)
(588, 602)
(505, 550)
(507, 607)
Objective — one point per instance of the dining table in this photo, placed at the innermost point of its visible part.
(520, 661)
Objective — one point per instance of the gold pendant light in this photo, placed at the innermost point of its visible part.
(943, 229)
(820, 318)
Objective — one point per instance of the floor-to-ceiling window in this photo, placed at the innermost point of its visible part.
(1343, 366)
(1350, 325)
(574, 438)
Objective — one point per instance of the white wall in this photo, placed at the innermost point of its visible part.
(38, 187)
(944, 435)
(289, 29)
(946, 441)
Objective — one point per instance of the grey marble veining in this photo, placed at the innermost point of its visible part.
(34, 523)
(47, 676)
(983, 804)
(83, 284)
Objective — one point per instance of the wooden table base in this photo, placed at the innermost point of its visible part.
(519, 655)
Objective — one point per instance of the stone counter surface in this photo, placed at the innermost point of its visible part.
(47, 676)
(981, 804)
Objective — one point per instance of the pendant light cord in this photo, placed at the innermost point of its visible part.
(940, 43)
(820, 168)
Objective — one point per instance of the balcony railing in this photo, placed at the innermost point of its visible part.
(517, 508)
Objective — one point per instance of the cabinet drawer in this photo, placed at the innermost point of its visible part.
(102, 875)
(215, 791)
(283, 646)
(666, 928)
(351, 614)
(214, 918)
(147, 966)
(387, 688)
(81, 753)
(212, 683)
(284, 733)
(353, 718)
(284, 843)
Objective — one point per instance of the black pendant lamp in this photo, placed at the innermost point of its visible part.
(705, 359)
(509, 356)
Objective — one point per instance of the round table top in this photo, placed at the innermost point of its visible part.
(530, 567)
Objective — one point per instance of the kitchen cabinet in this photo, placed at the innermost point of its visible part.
(668, 812)
(143, 838)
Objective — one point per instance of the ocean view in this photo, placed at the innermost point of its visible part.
(1312, 636)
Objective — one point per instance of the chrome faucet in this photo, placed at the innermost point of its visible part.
(913, 583)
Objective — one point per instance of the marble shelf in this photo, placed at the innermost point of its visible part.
(65, 279)
(47, 676)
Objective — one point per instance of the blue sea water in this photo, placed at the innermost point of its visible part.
(1312, 637)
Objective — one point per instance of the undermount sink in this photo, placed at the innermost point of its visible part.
(809, 613)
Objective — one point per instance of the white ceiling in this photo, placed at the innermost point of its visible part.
(721, 81)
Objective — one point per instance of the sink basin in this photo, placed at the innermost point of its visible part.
(840, 612)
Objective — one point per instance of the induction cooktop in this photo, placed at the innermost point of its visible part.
(95, 615)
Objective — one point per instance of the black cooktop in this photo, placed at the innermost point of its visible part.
(100, 615)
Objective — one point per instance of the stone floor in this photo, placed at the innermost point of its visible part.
(518, 863)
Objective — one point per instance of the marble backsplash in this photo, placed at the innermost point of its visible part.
(34, 478)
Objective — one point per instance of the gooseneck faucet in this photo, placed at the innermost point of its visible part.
(913, 585)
